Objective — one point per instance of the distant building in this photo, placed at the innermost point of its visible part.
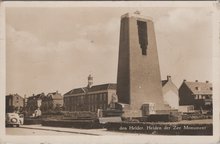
(49, 102)
(25, 101)
(34, 102)
(52, 101)
(90, 98)
(14, 102)
(186, 108)
(170, 93)
(198, 94)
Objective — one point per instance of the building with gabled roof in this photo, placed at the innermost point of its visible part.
(34, 102)
(198, 94)
(14, 102)
(170, 93)
(46, 103)
(90, 98)
(52, 101)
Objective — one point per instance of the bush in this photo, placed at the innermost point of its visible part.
(31, 121)
(173, 117)
(80, 115)
(86, 124)
(195, 116)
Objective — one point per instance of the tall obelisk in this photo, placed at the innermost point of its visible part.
(138, 79)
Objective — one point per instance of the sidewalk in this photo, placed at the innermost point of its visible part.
(92, 132)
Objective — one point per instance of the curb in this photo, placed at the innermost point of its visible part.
(59, 131)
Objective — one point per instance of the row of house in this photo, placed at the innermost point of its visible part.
(191, 94)
(197, 95)
(51, 101)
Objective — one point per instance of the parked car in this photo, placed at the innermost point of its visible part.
(14, 119)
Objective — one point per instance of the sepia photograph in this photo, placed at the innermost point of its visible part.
(105, 69)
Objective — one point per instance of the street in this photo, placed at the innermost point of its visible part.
(26, 131)
(45, 130)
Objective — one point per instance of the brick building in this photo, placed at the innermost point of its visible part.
(14, 102)
(170, 93)
(90, 98)
(198, 94)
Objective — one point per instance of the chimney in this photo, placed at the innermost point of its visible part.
(169, 78)
(207, 81)
(198, 88)
(33, 95)
(57, 92)
(90, 81)
(196, 80)
(184, 80)
(137, 12)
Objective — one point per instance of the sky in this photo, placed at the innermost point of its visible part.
(49, 49)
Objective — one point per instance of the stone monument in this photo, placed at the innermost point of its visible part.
(138, 79)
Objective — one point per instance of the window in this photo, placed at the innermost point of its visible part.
(142, 35)
(104, 106)
(94, 100)
(100, 97)
(94, 108)
(82, 98)
(105, 97)
(97, 98)
(90, 108)
(9, 101)
(196, 96)
(91, 98)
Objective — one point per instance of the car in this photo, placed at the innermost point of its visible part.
(14, 119)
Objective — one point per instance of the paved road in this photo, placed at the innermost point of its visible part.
(45, 130)
(24, 131)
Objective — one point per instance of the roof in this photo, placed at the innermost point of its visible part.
(164, 82)
(199, 87)
(92, 89)
(11, 95)
(55, 95)
(38, 96)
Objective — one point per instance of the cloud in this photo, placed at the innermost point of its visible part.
(185, 43)
(39, 65)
